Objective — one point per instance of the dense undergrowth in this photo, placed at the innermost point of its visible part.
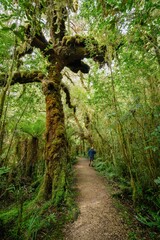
(24, 217)
(143, 217)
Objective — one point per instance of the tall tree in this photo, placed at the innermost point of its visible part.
(60, 51)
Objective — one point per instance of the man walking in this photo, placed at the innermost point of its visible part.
(91, 154)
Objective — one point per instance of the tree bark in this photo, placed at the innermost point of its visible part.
(56, 144)
(32, 157)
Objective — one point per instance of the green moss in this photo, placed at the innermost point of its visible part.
(79, 39)
(60, 130)
(73, 40)
(56, 142)
(67, 40)
(58, 186)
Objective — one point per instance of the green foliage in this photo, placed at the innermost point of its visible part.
(6, 43)
(152, 219)
(4, 170)
(11, 214)
(4, 187)
(34, 62)
(34, 219)
(30, 219)
(38, 222)
(101, 166)
(32, 128)
(157, 181)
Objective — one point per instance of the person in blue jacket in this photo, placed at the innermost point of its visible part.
(91, 154)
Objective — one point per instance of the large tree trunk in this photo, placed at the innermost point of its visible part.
(56, 143)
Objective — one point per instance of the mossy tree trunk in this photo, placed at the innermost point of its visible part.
(56, 143)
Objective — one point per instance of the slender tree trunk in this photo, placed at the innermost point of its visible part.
(3, 98)
(32, 157)
(24, 153)
(123, 141)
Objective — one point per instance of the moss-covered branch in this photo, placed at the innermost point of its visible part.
(32, 40)
(70, 50)
(74, 49)
(83, 47)
(68, 98)
(58, 29)
(22, 78)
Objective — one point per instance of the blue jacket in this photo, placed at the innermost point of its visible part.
(91, 153)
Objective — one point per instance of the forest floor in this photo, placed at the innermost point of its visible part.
(98, 218)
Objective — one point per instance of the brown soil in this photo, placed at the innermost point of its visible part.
(98, 218)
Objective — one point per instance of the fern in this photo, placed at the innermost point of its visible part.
(4, 170)
(157, 181)
(35, 129)
(152, 220)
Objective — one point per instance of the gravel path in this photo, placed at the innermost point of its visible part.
(98, 219)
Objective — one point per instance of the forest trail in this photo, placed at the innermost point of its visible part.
(98, 219)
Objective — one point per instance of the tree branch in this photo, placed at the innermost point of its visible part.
(74, 49)
(37, 41)
(68, 98)
(22, 78)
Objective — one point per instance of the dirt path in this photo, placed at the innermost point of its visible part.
(98, 219)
